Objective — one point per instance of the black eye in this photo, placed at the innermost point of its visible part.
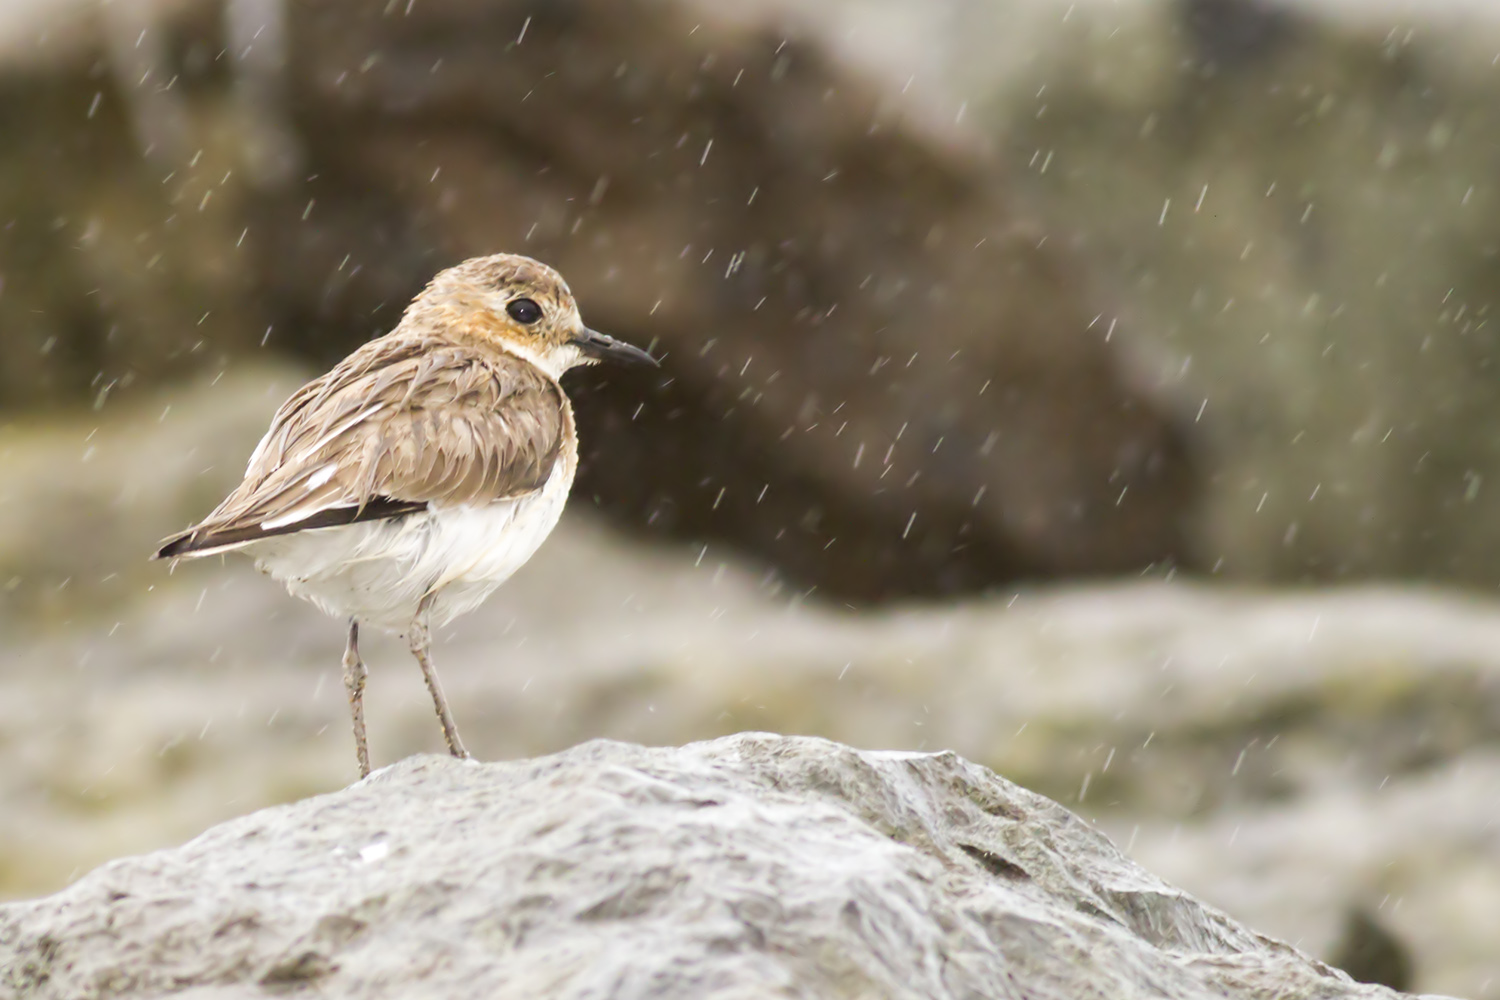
(524, 311)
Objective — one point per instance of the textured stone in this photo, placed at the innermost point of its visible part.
(753, 865)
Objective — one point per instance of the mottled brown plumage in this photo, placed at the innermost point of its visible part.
(404, 421)
(410, 481)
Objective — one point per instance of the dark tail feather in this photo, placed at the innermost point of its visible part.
(201, 540)
(177, 545)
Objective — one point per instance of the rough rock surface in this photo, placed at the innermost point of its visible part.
(754, 865)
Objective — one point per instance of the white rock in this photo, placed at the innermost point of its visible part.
(753, 865)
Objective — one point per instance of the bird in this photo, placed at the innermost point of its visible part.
(402, 487)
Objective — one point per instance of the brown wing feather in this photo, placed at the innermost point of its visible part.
(400, 423)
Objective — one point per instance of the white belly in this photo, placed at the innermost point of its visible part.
(379, 571)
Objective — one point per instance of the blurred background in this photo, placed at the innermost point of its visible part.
(1105, 390)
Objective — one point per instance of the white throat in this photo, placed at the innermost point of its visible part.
(554, 362)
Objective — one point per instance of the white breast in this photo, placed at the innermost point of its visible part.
(379, 571)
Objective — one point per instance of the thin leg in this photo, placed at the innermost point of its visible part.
(421, 640)
(354, 683)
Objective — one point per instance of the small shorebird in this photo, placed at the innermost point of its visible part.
(405, 485)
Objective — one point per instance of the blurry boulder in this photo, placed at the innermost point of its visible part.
(1279, 217)
(1288, 209)
(877, 379)
(1294, 208)
(878, 382)
(751, 866)
(122, 257)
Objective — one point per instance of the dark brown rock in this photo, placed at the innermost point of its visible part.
(877, 379)
(1370, 953)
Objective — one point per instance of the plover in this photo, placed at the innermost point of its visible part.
(405, 485)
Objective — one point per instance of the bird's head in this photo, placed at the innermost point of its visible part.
(521, 306)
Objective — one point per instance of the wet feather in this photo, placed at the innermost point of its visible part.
(407, 419)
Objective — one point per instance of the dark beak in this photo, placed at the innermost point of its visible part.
(603, 347)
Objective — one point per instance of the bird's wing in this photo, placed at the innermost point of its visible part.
(400, 423)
